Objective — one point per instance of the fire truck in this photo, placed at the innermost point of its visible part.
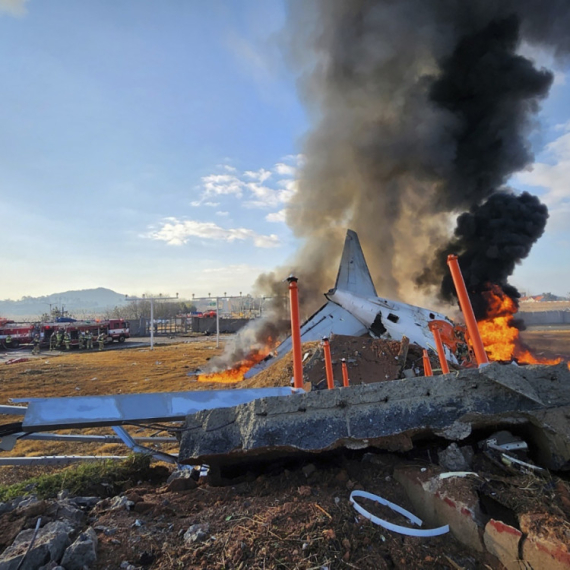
(115, 329)
(20, 333)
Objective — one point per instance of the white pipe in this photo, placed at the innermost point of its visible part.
(56, 459)
(396, 508)
(94, 438)
(130, 442)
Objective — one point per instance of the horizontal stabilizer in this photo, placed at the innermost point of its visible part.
(330, 319)
(353, 274)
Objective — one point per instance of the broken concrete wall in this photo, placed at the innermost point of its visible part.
(388, 415)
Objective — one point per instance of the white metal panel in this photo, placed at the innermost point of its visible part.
(60, 413)
(328, 320)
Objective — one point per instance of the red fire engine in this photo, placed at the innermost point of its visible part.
(115, 329)
(23, 333)
(19, 333)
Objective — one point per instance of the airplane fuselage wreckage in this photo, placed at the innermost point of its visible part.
(225, 428)
(354, 309)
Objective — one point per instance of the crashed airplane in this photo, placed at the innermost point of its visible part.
(354, 309)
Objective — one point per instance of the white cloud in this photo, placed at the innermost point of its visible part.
(298, 159)
(285, 169)
(264, 197)
(218, 184)
(553, 176)
(222, 213)
(14, 7)
(197, 203)
(253, 185)
(178, 232)
(278, 217)
(260, 175)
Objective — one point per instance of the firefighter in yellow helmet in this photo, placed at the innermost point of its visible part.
(36, 341)
(101, 340)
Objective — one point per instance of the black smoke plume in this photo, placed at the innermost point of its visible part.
(489, 241)
(421, 112)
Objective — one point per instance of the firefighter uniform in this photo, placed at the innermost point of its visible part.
(36, 341)
(81, 339)
(59, 338)
(89, 338)
(67, 340)
(52, 341)
(101, 340)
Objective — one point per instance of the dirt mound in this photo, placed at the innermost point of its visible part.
(367, 359)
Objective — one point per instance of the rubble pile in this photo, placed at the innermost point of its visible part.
(368, 360)
(302, 517)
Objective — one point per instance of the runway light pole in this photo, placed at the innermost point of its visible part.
(152, 300)
(295, 332)
(467, 310)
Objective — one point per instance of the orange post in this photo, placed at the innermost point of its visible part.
(344, 373)
(440, 350)
(467, 310)
(427, 364)
(328, 363)
(295, 332)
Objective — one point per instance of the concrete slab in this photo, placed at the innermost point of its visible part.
(387, 415)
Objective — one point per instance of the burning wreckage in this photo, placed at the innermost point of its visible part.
(390, 407)
(395, 404)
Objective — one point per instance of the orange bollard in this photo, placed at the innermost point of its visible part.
(467, 310)
(427, 364)
(345, 382)
(440, 350)
(328, 363)
(296, 332)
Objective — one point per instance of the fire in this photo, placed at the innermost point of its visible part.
(500, 335)
(236, 373)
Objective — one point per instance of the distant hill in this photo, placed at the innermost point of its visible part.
(84, 301)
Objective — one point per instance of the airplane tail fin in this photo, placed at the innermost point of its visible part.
(353, 274)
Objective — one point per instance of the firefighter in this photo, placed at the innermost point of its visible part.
(89, 338)
(59, 338)
(36, 341)
(52, 341)
(101, 340)
(67, 340)
(81, 339)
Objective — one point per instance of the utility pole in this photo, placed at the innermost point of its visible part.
(217, 322)
(152, 300)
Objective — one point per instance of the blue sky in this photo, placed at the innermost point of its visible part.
(152, 146)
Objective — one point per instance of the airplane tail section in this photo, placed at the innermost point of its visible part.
(353, 274)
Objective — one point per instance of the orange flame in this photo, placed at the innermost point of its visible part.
(236, 373)
(500, 335)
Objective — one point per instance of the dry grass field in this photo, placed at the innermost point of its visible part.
(141, 370)
(549, 343)
(163, 369)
